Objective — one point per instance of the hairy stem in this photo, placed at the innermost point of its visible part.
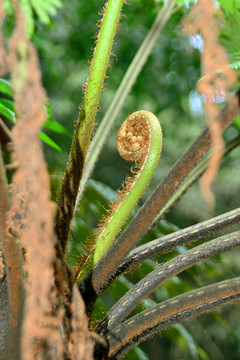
(163, 273)
(85, 123)
(139, 139)
(183, 307)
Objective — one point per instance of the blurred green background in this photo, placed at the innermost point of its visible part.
(166, 86)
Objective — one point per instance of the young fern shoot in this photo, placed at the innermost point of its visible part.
(139, 139)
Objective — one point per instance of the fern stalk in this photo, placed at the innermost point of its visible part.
(202, 230)
(182, 307)
(163, 273)
(85, 122)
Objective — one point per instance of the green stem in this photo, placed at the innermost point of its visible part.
(98, 70)
(140, 139)
(122, 93)
(85, 123)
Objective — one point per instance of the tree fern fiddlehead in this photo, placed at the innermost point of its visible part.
(139, 225)
(139, 139)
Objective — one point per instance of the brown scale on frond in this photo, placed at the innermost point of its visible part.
(133, 138)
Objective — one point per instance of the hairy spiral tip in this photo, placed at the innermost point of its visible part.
(133, 137)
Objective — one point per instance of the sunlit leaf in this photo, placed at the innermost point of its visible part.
(47, 140)
(56, 127)
(7, 112)
(6, 87)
